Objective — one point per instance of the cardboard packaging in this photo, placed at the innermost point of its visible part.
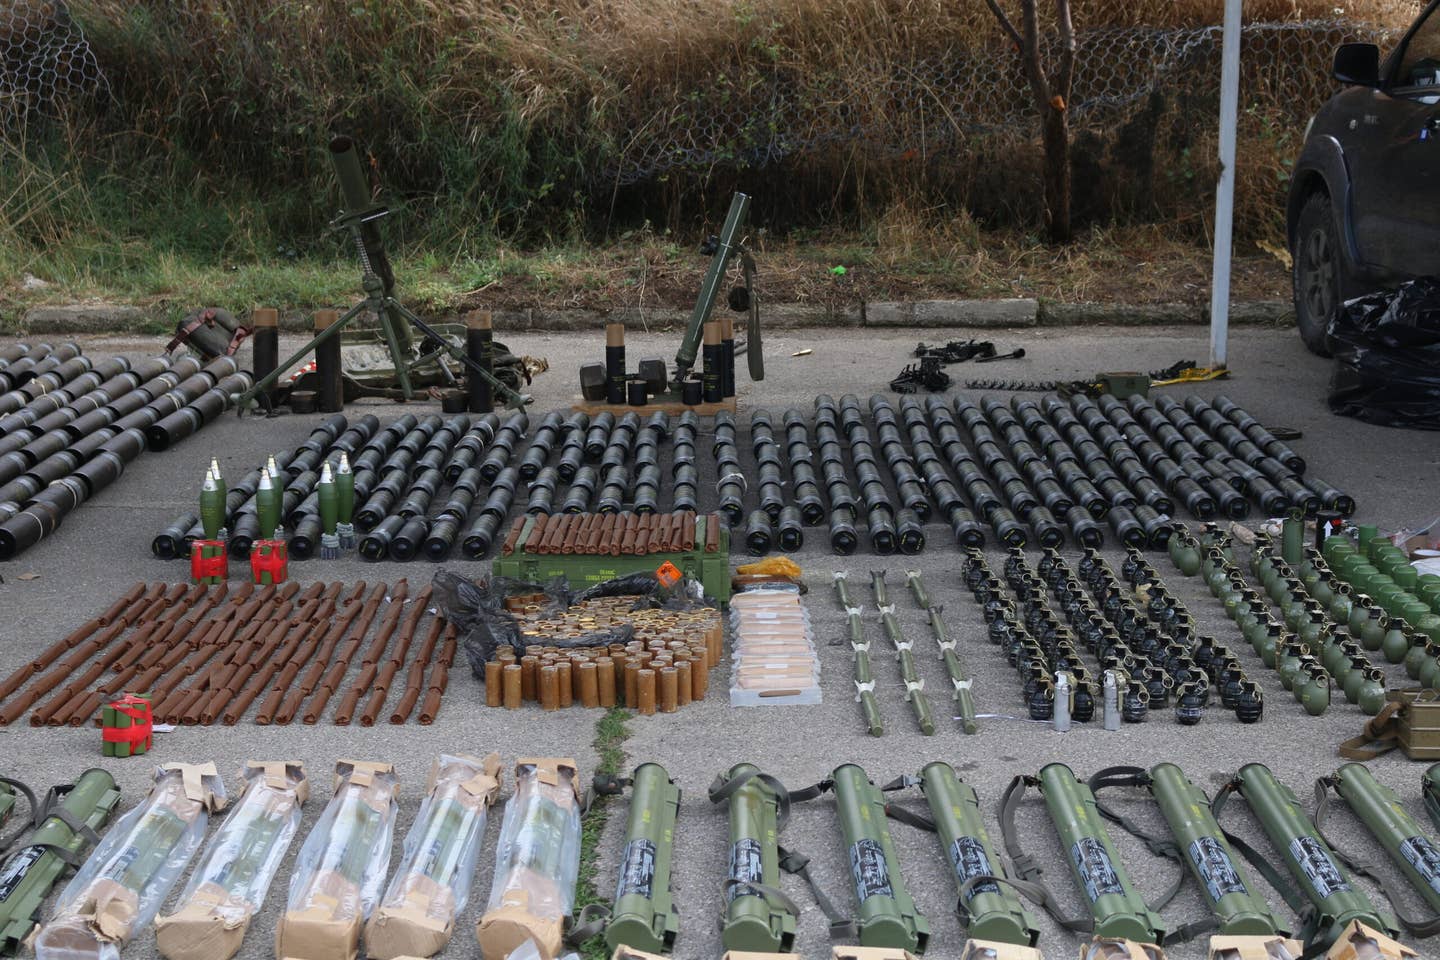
(432, 885)
(1360, 942)
(343, 862)
(121, 887)
(536, 863)
(229, 884)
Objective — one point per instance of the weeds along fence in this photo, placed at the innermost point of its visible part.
(472, 129)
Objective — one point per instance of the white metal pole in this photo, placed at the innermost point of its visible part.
(1225, 189)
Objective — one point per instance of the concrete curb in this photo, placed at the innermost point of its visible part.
(896, 314)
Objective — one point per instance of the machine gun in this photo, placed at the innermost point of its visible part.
(360, 218)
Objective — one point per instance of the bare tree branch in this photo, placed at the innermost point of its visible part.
(1065, 71)
(1005, 23)
(1030, 54)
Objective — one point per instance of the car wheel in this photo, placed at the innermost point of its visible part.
(1316, 272)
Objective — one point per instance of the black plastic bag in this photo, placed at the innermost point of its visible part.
(1387, 357)
(477, 608)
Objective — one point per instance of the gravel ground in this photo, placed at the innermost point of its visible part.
(104, 548)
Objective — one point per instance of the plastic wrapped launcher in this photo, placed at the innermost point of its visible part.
(121, 886)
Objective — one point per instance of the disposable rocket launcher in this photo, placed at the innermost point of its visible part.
(417, 915)
(229, 884)
(536, 863)
(28, 876)
(120, 888)
(342, 864)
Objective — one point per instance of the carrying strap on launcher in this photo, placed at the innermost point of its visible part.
(32, 822)
(841, 926)
(1026, 881)
(1421, 928)
(1380, 735)
(1160, 846)
(49, 809)
(1307, 916)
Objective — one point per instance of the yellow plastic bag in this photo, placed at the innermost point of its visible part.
(771, 567)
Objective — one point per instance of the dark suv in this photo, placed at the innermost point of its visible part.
(1364, 206)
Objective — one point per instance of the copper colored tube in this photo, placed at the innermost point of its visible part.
(549, 693)
(378, 694)
(406, 705)
(529, 684)
(119, 606)
(430, 708)
(699, 681)
(572, 534)
(537, 533)
(494, 694)
(645, 688)
(508, 546)
(593, 534)
(16, 680)
(642, 538)
(564, 684)
(632, 683)
(605, 682)
(669, 697)
(685, 683)
(588, 675)
(511, 679)
(313, 591)
(81, 714)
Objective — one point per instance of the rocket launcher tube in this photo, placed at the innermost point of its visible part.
(27, 877)
(537, 861)
(1118, 910)
(1430, 789)
(755, 919)
(863, 677)
(342, 864)
(432, 885)
(1201, 845)
(988, 910)
(121, 887)
(643, 915)
(1394, 829)
(229, 883)
(887, 916)
(1308, 858)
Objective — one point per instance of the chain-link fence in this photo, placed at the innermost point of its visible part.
(45, 61)
(957, 116)
(937, 104)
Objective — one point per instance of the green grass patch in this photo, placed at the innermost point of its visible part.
(610, 736)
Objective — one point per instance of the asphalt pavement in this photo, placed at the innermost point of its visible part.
(104, 548)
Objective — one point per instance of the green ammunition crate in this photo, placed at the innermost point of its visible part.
(1419, 726)
(583, 570)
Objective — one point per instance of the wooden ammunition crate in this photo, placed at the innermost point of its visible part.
(710, 567)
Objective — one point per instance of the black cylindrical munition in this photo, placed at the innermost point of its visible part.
(636, 393)
(909, 531)
(843, 538)
(166, 544)
(791, 528)
(759, 529)
(966, 529)
(375, 545)
(408, 539)
(712, 360)
(480, 536)
(265, 345)
(27, 528)
(615, 375)
(480, 348)
(304, 539)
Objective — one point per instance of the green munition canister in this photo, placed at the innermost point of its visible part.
(644, 915)
(29, 874)
(990, 910)
(1385, 817)
(1307, 856)
(344, 503)
(1119, 911)
(212, 506)
(329, 500)
(1430, 790)
(888, 917)
(753, 920)
(267, 505)
(1240, 911)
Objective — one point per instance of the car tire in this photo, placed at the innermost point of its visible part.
(1315, 273)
